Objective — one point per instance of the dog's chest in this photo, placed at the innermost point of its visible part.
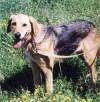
(44, 47)
(28, 56)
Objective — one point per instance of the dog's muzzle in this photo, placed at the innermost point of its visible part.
(18, 42)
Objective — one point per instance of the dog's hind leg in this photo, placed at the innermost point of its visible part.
(91, 64)
(90, 56)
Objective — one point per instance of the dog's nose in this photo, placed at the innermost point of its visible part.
(17, 35)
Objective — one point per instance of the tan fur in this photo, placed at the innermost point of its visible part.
(89, 46)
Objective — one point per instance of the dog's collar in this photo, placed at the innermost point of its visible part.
(29, 44)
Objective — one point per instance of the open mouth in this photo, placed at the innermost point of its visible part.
(18, 43)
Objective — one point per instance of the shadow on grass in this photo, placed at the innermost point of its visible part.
(67, 70)
(23, 79)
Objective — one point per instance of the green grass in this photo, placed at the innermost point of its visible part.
(12, 61)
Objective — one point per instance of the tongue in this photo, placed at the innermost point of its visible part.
(17, 45)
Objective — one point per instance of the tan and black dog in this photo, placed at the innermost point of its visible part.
(42, 44)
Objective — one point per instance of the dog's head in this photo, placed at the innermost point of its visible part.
(23, 28)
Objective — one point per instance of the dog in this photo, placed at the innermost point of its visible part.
(44, 45)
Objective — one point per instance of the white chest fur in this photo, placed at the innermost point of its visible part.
(28, 57)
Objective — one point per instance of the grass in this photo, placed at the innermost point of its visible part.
(13, 66)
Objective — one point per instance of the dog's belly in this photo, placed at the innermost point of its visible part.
(66, 49)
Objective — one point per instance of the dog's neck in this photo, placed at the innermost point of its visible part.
(39, 39)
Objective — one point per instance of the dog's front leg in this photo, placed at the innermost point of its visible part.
(48, 80)
(36, 74)
(48, 73)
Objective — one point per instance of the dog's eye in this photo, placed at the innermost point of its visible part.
(14, 23)
(24, 25)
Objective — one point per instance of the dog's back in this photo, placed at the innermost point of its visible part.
(68, 36)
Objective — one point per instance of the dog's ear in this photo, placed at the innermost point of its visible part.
(9, 24)
(34, 25)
